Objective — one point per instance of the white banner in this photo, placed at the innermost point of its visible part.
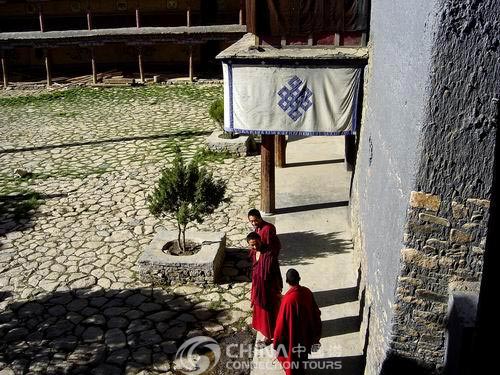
(290, 100)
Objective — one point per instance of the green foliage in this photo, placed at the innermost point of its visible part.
(93, 95)
(186, 193)
(205, 155)
(216, 112)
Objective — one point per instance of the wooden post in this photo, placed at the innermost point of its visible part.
(89, 19)
(267, 188)
(336, 40)
(137, 17)
(191, 75)
(363, 39)
(188, 16)
(280, 151)
(141, 70)
(310, 40)
(241, 11)
(40, 18)
(350, 152)
(4, 70)
(47, 67)
(94, 70)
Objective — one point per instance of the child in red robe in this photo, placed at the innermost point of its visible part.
(298, 326)
(266, 288)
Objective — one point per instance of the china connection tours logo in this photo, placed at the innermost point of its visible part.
(189, 361)
(201, 354)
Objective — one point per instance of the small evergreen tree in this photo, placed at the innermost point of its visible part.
(186, 193)
(216, 113)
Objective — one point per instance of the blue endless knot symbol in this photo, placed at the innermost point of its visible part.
(294, 99)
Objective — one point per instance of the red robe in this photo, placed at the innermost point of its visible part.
(266, 291)
(298, 327)
(267, 233)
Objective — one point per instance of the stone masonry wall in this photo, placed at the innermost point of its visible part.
(448, 217)
(420, 201)
(446, 255)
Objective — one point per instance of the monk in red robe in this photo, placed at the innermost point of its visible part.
(266, 288)
(265, 230)
(298, 326)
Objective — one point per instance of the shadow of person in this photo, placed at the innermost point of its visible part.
(94, 331)
(336, 296)
(300, 248)
(341, 326)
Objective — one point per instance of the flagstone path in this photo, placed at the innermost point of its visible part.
(312, 195)
(71, 232)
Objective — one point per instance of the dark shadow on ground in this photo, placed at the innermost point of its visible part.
(341, 326)
(395, 363)
(4, 295)
(292, 138)
(315, 162)
(300, 247)
(237, 266)
(94, 331)
(337, 366)
(17, 211)
(182, 134)
(311, 207)
(336, 296)
(236, 354)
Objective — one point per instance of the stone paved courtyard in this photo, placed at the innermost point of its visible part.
(72, 230)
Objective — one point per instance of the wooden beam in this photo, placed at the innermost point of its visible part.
(191, 73)
(141, 69)
(4, 70)
(280, 151)
(267, 188)
(47, 67)
(94, 70)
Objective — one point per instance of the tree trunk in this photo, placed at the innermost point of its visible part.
(179, 231)
(184, 238)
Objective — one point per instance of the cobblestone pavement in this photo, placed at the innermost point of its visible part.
(72, 230)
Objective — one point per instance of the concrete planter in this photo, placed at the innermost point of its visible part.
(237, 146)
(201, 268)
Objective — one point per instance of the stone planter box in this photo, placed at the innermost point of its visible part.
(201, 268)
(237, 146)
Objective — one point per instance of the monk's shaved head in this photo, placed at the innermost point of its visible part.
(253, 236)
(292, 277)
(255, 212)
